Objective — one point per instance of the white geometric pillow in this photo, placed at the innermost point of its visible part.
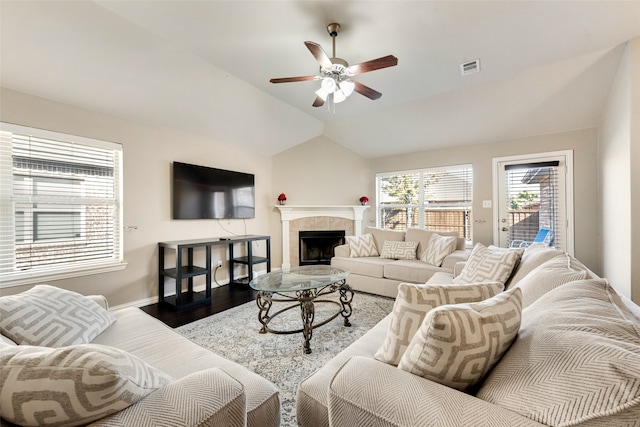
(71, 385)
(458, 344)
(412, 305)
(360, 246)
(52, 317)
(489, 264)
(438, 248)
(399, 250)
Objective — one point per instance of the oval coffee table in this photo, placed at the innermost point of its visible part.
(304, 287)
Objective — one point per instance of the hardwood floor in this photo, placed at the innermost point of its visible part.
(222, 298)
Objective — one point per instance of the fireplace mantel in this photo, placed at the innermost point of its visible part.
(293, 212)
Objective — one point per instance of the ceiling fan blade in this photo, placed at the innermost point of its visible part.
(319, 102)
(319, 54)
(294, 79)
(366, 91)
(374, 64)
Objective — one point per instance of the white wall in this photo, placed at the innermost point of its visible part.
(619, 178)
(148, 154)
(582, 142)
(614, 150)
(319, 172)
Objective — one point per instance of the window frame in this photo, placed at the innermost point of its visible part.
(7, 204)
(423, 202)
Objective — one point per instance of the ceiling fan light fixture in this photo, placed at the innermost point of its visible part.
(328, 85)
(347, 87)
(338, 96)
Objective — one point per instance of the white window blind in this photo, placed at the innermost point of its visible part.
(61, 205)
(535, 202)
(435, 198)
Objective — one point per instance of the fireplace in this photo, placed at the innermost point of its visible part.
(316, 247)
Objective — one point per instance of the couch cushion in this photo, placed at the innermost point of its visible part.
(438, 248)
(52, 317)
(412, 305)
(549, 275)
(412, 271)
(399, 250)
(366, 266)
(457, 344)
(576, 359)
(489, 264)
(533, 256)
(360, 246)
(381, 235)
(72, 385)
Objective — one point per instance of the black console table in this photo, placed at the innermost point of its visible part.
(187, 298)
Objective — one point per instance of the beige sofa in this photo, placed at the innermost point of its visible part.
(381, 276)
(205, 389)
(575, 361)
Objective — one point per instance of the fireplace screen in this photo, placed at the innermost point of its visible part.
(316, 247)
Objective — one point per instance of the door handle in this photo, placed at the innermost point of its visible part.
(505, 228)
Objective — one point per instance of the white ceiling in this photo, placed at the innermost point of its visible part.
(204, 66)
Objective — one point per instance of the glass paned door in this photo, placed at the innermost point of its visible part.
(533, 203)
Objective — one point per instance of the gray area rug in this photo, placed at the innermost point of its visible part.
(279, 358)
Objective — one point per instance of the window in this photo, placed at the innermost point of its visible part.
(533, 194)
(61, 205)
(435, 198)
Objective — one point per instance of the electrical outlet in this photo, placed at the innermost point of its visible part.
(219, 263)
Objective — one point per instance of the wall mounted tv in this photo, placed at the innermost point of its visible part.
(200, 192)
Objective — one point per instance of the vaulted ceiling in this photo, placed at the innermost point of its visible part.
(204, 66)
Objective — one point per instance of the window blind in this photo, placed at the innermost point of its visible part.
(435, 198)
(61, 202)
(533, 195)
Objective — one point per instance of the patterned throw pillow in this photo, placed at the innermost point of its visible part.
(399, 250)
(412, 305)
(438, 248)
(458, 344)
(72, 385)
(52, 317)
(576, 360)
(489, 264)
(360, 246)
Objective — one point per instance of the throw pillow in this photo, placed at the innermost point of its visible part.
(489, 264)
(360, 246)
(576, 360)
(533, 256)
(438, 248)
(399, 250)
(422, 236)
(458, 344)
(72, 385)
(549, 275)
(52, 317)
(412, 305)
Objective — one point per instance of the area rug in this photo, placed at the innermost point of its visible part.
(279, 358)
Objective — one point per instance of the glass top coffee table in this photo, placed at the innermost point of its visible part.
(304, 287)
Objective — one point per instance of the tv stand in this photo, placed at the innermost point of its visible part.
(188, 298)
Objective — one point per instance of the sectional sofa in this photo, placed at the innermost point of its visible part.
(78, 363)
(374, 272)
(558, 346)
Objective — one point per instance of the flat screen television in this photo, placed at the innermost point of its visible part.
(200, 192)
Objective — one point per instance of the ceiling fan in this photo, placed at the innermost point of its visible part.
(335, 73)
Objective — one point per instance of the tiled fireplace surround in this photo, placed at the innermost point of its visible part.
(297, 218)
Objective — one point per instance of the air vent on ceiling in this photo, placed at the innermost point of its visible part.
(470, 67)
